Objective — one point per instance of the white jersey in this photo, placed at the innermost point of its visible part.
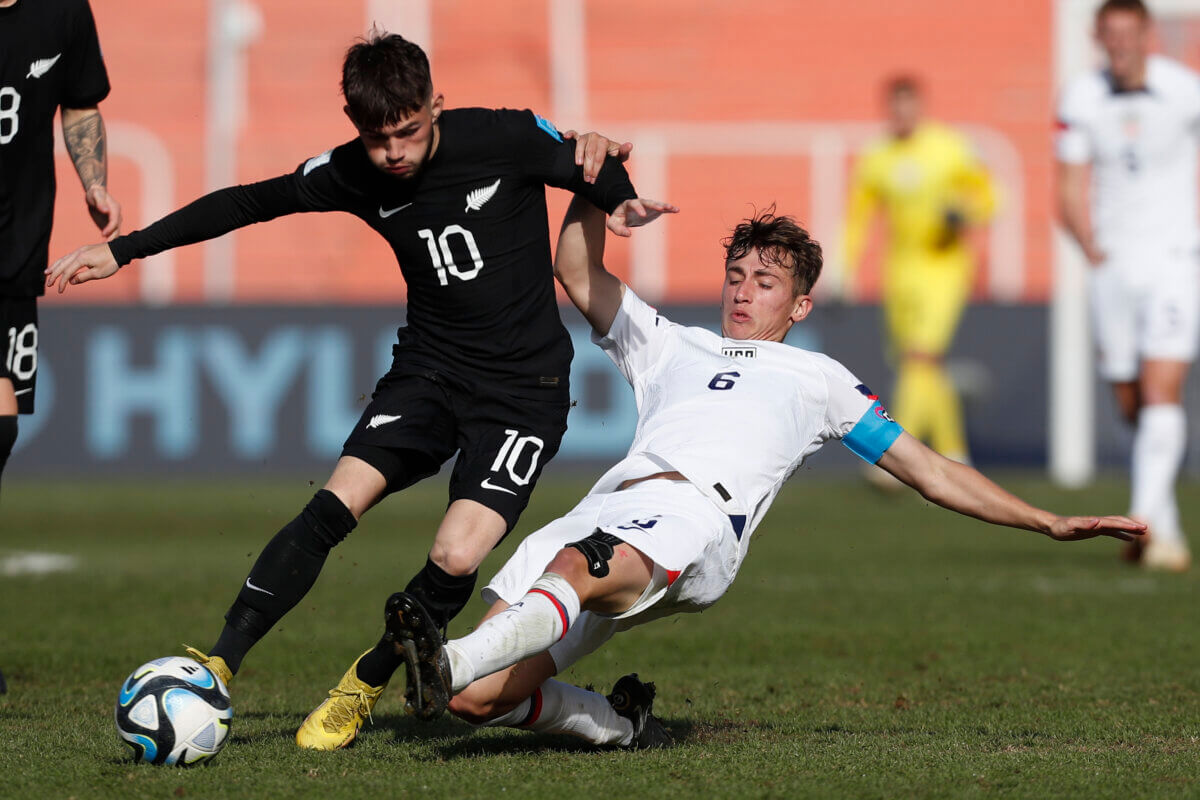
(1142, 147)
(736, 418)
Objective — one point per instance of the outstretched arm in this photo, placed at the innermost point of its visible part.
(208, 217)
(83, 133)
(960, 488)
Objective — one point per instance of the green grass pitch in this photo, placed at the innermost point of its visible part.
(873, 646)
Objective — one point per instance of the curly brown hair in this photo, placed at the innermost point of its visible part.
(780, 242)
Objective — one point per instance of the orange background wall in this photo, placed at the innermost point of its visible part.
(669, 60)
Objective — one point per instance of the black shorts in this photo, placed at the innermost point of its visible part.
(18, 346)
(416, 422)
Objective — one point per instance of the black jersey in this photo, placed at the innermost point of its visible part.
(49, 57)
(469, 231)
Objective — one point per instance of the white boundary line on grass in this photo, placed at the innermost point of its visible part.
(33, 563)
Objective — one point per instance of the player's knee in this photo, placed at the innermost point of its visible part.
(459, 560)
(571, 564)
(594, 553)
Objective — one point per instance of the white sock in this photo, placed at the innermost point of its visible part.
(561, 708)
(523, 629)
(1158, 448)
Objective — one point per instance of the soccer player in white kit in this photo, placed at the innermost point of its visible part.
(723, 420)
(1135, 126)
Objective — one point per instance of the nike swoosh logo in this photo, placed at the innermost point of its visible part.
(250, 585)
(380, 420)
(19, 392)
(487, 484)
(385, 214)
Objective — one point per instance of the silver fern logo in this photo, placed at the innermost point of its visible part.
(478, 197)
(379, 420)
(40, 67)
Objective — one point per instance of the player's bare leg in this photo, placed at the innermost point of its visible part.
(468, 532)
(357, 484)
(1158, 450)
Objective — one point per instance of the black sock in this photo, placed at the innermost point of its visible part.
(285, 571)
(443, 596)
(8, 437)
(377, 665)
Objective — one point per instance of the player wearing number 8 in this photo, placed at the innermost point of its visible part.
(49, 58)
(481, 367)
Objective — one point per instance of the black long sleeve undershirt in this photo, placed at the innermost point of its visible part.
(212, 215)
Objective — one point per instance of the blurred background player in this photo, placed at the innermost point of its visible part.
(931, 189)
(1127, 141)
(49, 58)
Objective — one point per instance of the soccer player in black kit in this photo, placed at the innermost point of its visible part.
(49, 58)
(481, 368)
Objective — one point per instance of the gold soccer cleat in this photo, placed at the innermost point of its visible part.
(215, 663)
(335, 723)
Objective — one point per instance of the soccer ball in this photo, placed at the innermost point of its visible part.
(173, 711)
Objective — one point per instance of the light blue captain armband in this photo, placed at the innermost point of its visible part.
(873, 434)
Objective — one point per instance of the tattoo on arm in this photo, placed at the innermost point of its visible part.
(83, 131)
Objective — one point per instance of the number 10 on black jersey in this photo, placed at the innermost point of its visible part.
(443, 258)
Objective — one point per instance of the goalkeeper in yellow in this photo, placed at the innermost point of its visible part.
(931, 190)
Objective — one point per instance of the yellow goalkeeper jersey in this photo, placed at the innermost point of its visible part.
(917, 181)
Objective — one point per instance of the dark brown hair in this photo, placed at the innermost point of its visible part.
(385, 78)
(1135, 6)
(780, 242)
(902, 84)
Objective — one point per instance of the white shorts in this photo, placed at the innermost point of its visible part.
(1144, 307)
(692, 545)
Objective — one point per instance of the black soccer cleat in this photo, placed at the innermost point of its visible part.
(634, 701)
(417, 639)
(3, 685)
